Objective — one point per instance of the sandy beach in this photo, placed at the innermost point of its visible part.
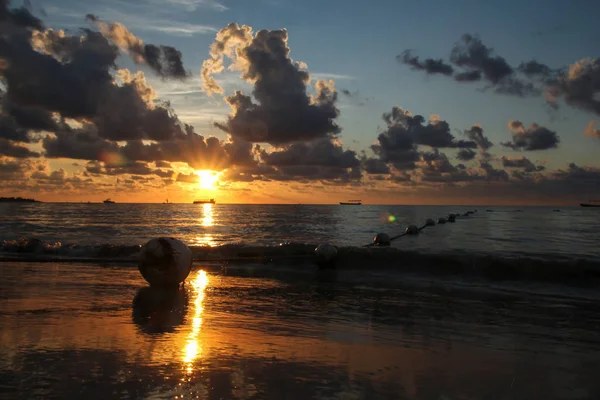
(94, 331)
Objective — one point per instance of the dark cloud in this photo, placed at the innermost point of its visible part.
(535, 137)
(20, 17)
(579, 86)
(522, 163)
(398, 145)
(535, 69)
(166, 61)
(466, 154)
(491, 173)
(8, 148)
(375, 166)
(318, 159)
(130, 167)
(476, 135)
(429, 65)
(162, 164)
(473, 54)
(284, 112)
(591, 130)
(79, 144)
(468, 76)
(187, 178)
(477, 62)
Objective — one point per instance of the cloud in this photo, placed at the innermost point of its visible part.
(18, 17)
(132, 168)
(192, 5)
(319, 159)
(466, 154)
(522, 163)
(187, 178)
(166, 61)
(534, 138)
(429, 65)
(398, 144)
(472, 61)
(579, 86)
(284, 112)
(8, 148)
(591, 130)
(476, 135)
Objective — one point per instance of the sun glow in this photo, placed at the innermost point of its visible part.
(207, 179)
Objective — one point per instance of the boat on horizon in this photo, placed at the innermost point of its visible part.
(351, 203)
(211, 201)
(108, 201)
(591, 203)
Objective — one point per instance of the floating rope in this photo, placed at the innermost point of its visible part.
(382, 239)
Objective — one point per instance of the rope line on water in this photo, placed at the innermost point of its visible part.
(383, 240)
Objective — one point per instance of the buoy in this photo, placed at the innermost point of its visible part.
(412, 230)
(326, 255)
(165, 261)
(381, 239)
(429, 222)
(442, 221)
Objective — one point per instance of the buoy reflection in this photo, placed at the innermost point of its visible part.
(193, 349)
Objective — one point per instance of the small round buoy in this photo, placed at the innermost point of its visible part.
(429, 222)
(165, 262)
(326, 255)
(412, 230)
(442, 221)
(381, 239)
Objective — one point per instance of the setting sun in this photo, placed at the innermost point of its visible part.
(207, 179)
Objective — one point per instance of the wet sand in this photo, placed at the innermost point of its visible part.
(99, 332)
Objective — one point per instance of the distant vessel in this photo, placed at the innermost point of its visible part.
(211, 201)
(351, 203)
(592, 203)
(108, 201)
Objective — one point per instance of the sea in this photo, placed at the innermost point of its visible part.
(503, 303)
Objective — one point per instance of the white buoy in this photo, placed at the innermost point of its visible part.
(165, 261)
(412, 230)
(442, 221)
(326, 255)
(429, 222)
(382, 239)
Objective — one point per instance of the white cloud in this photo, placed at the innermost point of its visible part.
(326, 76)
(192, 5)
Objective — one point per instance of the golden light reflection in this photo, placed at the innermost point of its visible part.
(208, 220)
(207, 179)
(193, 349)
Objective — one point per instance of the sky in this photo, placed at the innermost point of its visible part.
(276, 101)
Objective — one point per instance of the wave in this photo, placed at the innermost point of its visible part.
(495, 267)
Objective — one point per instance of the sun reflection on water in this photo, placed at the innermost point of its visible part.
(193, 349)
(207, 220)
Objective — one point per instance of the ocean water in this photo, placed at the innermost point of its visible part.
(525, 243)
(99, 332)
(572, 232)
(502, 304)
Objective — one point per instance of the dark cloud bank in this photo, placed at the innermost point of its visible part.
(63, 96)
(470, 60)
